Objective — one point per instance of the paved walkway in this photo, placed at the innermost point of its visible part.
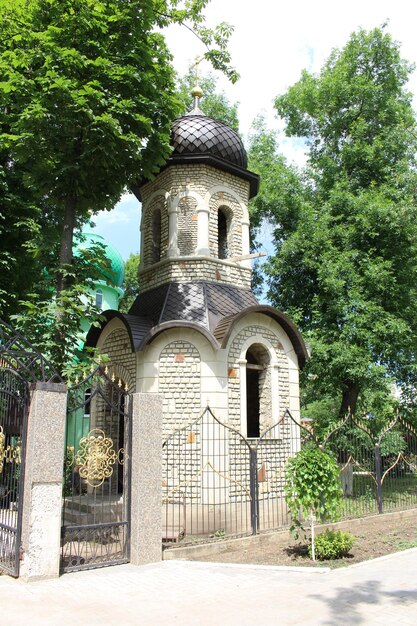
(383, 591)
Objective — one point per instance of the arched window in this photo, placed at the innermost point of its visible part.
(257, 392)
(99, 299)
(156, 236)
(222, 234)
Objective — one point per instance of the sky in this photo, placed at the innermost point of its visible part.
(271, 44)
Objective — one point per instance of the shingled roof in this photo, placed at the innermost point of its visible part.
(210, 308)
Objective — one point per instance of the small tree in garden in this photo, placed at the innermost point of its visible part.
(312, 490)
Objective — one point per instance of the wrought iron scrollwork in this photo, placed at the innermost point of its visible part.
(96, 457)
(9, 454)
(19, 355)
(2, 445)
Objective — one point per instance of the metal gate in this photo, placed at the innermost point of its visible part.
(20, 365)
(96, 497)
(14, 402)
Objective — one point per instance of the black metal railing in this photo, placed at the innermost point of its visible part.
(378, 466)
(217, 483)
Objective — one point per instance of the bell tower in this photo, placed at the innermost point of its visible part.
(196, 333)
(195, 219)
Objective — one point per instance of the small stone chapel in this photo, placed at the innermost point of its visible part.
(196, 333)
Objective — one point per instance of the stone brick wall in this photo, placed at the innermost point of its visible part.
(179, 384)
(123, 360)
(199, 178)
(191, 269)
(209, 465)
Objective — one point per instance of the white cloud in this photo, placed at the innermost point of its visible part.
(126, 211)
(116, 216)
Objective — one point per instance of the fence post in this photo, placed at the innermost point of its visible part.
(253, 476)
(146, 479)
(42, 494)
(378, 476)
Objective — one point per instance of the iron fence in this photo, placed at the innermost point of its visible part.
(378, 466)
(217, 483)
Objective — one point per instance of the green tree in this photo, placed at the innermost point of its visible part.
(281, 193)
(130, 283)
(87, 96)
(312, 488)
(18, 214)
(43, 316)
(345, 266)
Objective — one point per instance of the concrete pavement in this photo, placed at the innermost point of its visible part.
(383, 591)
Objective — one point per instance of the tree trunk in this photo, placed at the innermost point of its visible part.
(347, 407)
(349, 399)
(65, 257)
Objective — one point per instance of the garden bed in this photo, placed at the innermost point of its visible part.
(375, 536)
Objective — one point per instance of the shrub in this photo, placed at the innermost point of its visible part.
(312, 487)
(332, 544)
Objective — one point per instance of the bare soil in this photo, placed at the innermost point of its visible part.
(375, 536)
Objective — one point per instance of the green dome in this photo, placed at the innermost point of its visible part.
(89, 238)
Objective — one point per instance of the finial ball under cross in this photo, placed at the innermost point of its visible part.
(196, 91)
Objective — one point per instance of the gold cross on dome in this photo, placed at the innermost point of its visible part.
(195, 65)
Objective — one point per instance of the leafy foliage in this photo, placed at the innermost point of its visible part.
(345, 263)
(44, 317)
(312, 487)
(282, 191)
(87, 96)
(332, 544)
(130, 284)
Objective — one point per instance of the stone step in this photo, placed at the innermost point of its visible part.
(88, 505)
(76, 518)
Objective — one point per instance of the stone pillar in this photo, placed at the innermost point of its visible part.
(275, 401)
(146, 486)
(245, 242)
(203, 213)
(173, 249)
(243, 407)
(42, 495)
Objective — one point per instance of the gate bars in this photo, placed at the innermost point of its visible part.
(14, 404)
(96, 502)
(20, 366)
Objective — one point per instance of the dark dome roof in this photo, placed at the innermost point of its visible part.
(202, 135)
